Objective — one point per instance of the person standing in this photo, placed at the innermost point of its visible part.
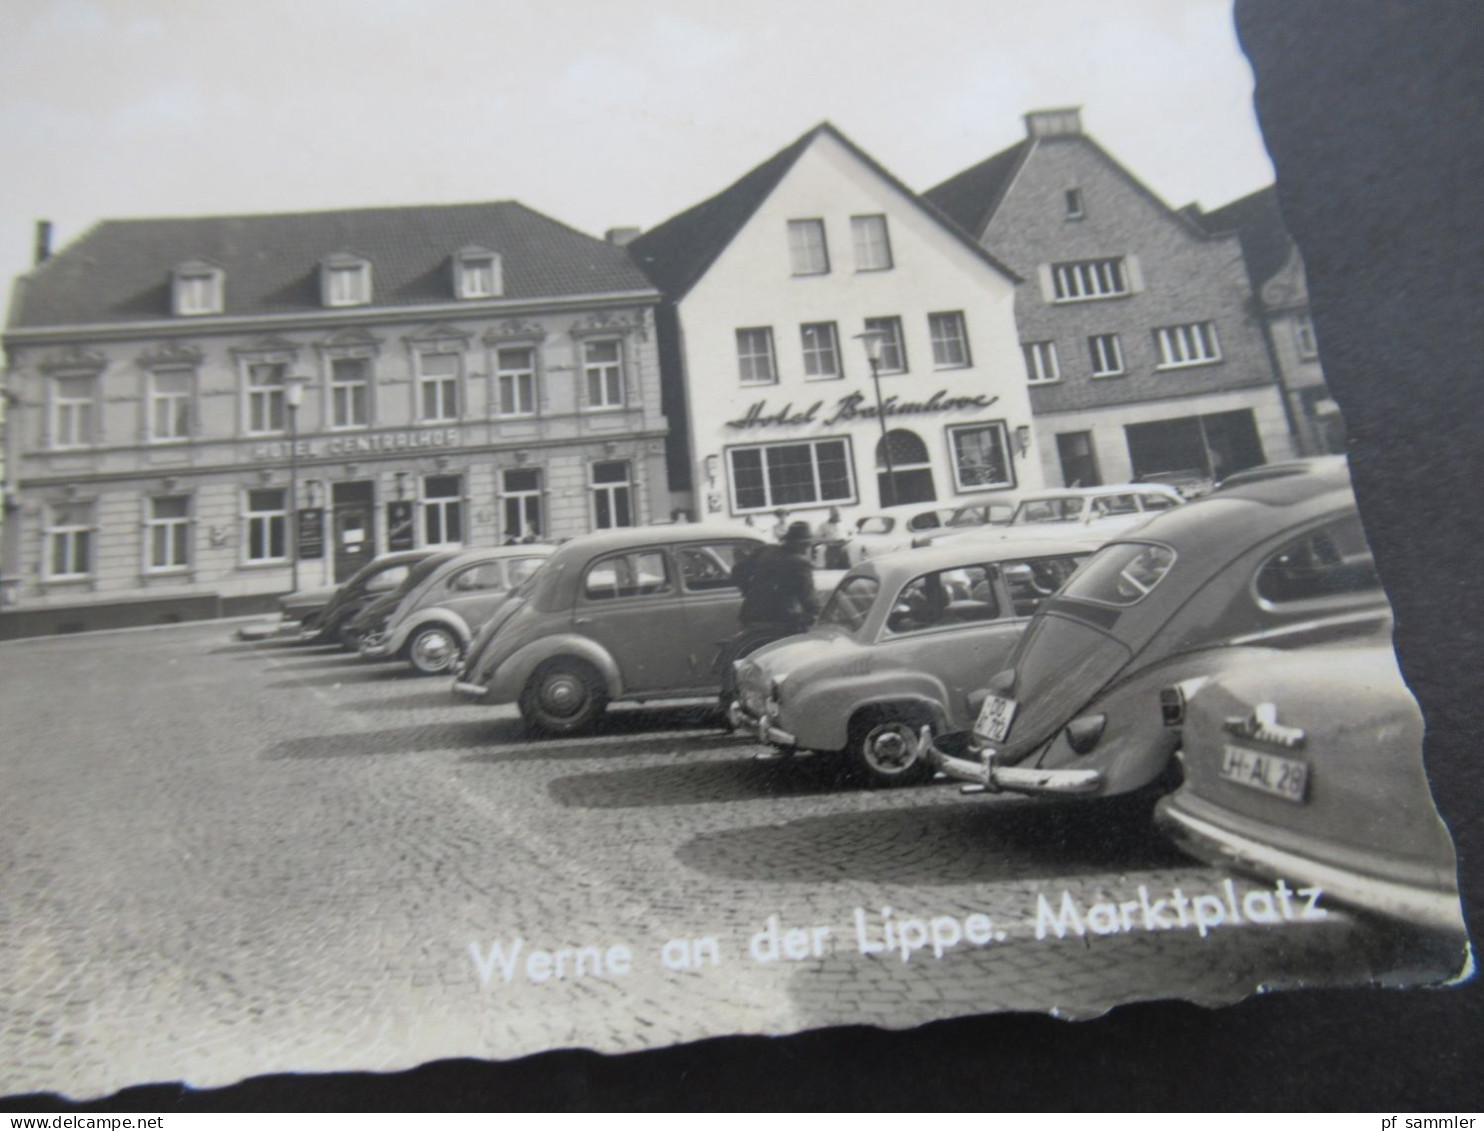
(778, 600)
(780, 528)
(831, 536)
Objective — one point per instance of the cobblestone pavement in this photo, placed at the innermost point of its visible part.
(222, 859)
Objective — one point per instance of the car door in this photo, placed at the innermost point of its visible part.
(630, 603)
(712, 601)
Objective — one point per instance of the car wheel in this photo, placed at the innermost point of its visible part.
(883, 747)
(434, 650)
(563, 697)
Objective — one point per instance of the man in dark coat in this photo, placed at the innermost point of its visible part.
(778, 600)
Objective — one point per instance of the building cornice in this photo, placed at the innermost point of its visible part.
(313, 320)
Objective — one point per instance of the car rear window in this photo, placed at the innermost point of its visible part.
(1122, 574)
(851, 603)
(1334, 561)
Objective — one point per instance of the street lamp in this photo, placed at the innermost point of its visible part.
(293, 397)
(873, 340)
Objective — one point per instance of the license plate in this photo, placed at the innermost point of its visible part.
(995, 718)
(1266, 773)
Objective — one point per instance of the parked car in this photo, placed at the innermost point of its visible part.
(631, 614)
(1191, 482)
(892, 529)
(900, 645)
(323, 614)
(435, 620)
(1282, 563)
(1082, 512)
(967, 518)
(1307, 767)
(374, 615)
(1323, 465)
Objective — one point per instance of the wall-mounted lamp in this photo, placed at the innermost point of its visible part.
(713, 468)
(401, 486)
(522, 456)
(1022, 438)
(265, 474)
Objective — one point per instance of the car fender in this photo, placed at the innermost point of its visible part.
(513, 673)
(400, 634)
(819, 713)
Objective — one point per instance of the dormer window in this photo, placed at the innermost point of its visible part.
(477, 274)
(345, 280)
(197, 289)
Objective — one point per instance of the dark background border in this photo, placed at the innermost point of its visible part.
(1372, 114)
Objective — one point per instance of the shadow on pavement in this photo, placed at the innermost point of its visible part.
(526, 749)
(951, 843)
(396, 740)
(357, 674)
(700, 783)
(432, 694)
(325, 661)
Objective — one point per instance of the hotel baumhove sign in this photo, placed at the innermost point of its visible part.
(380, 443)
(855, 406)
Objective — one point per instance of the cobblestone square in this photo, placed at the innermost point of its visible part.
(222, 859)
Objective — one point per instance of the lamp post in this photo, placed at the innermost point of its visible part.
(293, 397)
(873, 340)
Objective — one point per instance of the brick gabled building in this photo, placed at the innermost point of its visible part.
(1144, 351)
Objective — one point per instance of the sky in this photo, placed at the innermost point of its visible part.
(599, 113)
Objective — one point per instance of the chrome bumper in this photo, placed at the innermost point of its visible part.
(462, 689)
(762, 727)
(984, 773)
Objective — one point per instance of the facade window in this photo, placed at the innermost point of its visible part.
(350, 392)
(1304, 339)
(168, 533)
(69, 541)
(795, 474)
(438, 377)
(602, 365)
(1041, 367)
(479, 275)
(267, 521)
(443, 510)
(950, 340)
(1092, 278)
(198, 292)
(347, 284)
(807, 252)
(170, 404)
(1074, 204)
(520, 489)
(821, 349)
(1107, 355)
(265, 397)
(872, 243)
(613, 495)
(911, 478)
(515, 381)
(755, 362)
(981, 457)
(893, 351)
(1192, 344)
(72, 411)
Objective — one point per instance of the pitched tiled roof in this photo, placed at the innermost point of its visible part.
(120, 270)
(1258, 222)
(677, 253)
(970, 198)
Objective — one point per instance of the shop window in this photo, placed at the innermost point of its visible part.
(612, 495)
(443, 510)
(769, 476)
(69, 541)
(981, 457)
(168, 529)
(267, 525)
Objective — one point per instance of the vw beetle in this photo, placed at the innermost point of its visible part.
(901, 644)
(327, 623)
(1074, 711)
(1307, 767)
(436, 618)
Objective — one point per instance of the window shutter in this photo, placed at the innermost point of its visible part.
(1048, 291)
(1135, 274)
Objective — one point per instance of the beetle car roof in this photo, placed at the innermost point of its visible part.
(1107, 489)
(964, 552)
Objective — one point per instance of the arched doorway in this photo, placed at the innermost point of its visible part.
(911, 478)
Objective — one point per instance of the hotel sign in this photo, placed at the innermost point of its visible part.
(380, 443)
(855, 406)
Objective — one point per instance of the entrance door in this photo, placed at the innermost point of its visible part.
(1079, 463)
(355, 529)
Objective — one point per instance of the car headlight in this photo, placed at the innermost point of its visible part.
(774, 702)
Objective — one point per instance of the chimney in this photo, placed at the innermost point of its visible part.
(1063, 122)
(43, 242)
(622, 237)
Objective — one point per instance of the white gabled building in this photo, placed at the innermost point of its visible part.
(768, 392)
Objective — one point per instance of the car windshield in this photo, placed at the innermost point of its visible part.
(1122, 574)
(1065, 509)
(851, 603)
